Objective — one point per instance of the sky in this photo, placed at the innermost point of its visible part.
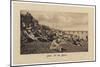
(66, 21)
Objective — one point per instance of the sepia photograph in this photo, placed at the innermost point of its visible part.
(53, 32)
(48, 33)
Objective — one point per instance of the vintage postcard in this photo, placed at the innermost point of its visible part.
(45, 33)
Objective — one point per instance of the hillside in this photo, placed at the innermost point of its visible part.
(36, 38)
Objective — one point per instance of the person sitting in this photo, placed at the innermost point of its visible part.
(57, 45)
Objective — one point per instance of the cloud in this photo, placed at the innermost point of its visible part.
(62, 20)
